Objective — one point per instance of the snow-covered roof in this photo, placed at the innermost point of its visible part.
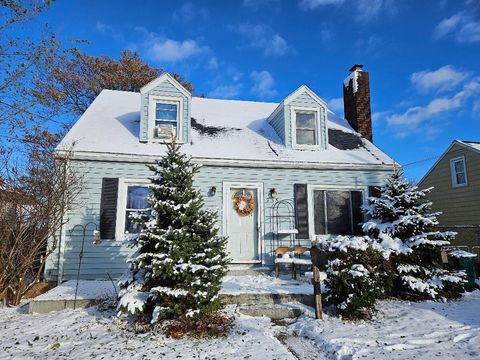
(474, 145)
(112, 122)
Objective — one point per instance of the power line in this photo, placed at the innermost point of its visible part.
(421, 161)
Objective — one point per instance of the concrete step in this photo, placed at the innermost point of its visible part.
(266, 298)
(242, 270)
(272, 311)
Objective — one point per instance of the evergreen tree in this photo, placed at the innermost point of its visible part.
(180, 260)
(402, 222)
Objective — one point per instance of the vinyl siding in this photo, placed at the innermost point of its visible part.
(165, 89)
(278, 122)
(460, 205)
(110, 256)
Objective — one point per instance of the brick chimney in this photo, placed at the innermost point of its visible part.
(356, 101)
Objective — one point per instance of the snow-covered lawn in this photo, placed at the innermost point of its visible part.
(401, 330)
(87, 334)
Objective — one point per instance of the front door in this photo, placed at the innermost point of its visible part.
(242, 224)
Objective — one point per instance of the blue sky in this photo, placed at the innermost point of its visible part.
(423, 56)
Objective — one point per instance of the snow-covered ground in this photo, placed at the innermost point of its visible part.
(87, 334)
(401, 330)
(232, 285)
(263, 284)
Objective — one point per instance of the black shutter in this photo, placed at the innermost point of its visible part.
(357, 215)
(301, 210)
(319, 212)
(374, 191)
(108, 208)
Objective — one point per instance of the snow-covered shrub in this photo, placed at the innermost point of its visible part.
(402, 223)
(356, 275)
(180, 260)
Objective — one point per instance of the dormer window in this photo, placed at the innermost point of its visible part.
(305, 128)
(164, 118)
(306, 133)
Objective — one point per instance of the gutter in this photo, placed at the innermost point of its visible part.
(136, 158)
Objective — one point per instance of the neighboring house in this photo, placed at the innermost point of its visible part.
(296, 151)
(456, 181)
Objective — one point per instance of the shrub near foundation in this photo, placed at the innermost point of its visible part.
(356, 275)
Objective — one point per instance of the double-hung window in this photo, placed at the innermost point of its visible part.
(306, 127)
(337, 212)
(166, 120)
(458, 171)
(133, 199)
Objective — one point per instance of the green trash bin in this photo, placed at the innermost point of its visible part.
(464, 260)
(468, 264)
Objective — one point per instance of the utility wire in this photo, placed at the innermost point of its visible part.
(421, 161)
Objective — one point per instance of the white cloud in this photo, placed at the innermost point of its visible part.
(414, 116)
(364, 10)
(442, 79)
(163, 49)
(262, 37)
(189, 12)
(313, 4)
(225, 91)
(212, 63)
(462, 26)
(476, 108)
(367, 10)
(108, 30)
(264, 83)
(448, 25)
(336, 105)
(277, 46)
(378, 116)
(418, 114)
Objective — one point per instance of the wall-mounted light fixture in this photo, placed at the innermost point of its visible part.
(96, 237)
(212, 191)
(273, 194)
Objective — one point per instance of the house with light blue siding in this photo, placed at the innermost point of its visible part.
(304, 170)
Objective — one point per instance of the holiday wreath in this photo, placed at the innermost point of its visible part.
(244, 204)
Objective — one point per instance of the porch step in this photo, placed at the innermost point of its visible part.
(240, 270)
(272, 311)
(267, 298)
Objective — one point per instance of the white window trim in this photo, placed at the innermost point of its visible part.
(453, 174)
(123, 185)
(152, 101)
(312, 188)
(293, 117)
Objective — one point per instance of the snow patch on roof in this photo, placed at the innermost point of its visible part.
(472, 144)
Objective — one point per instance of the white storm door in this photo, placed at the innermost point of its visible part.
(242, 230)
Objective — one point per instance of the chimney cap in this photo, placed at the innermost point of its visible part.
(356, 67)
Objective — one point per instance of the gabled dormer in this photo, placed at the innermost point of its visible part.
(165, 111)
(300, 120)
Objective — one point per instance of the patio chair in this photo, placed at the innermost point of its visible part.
(283, 256)
(301, 257)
